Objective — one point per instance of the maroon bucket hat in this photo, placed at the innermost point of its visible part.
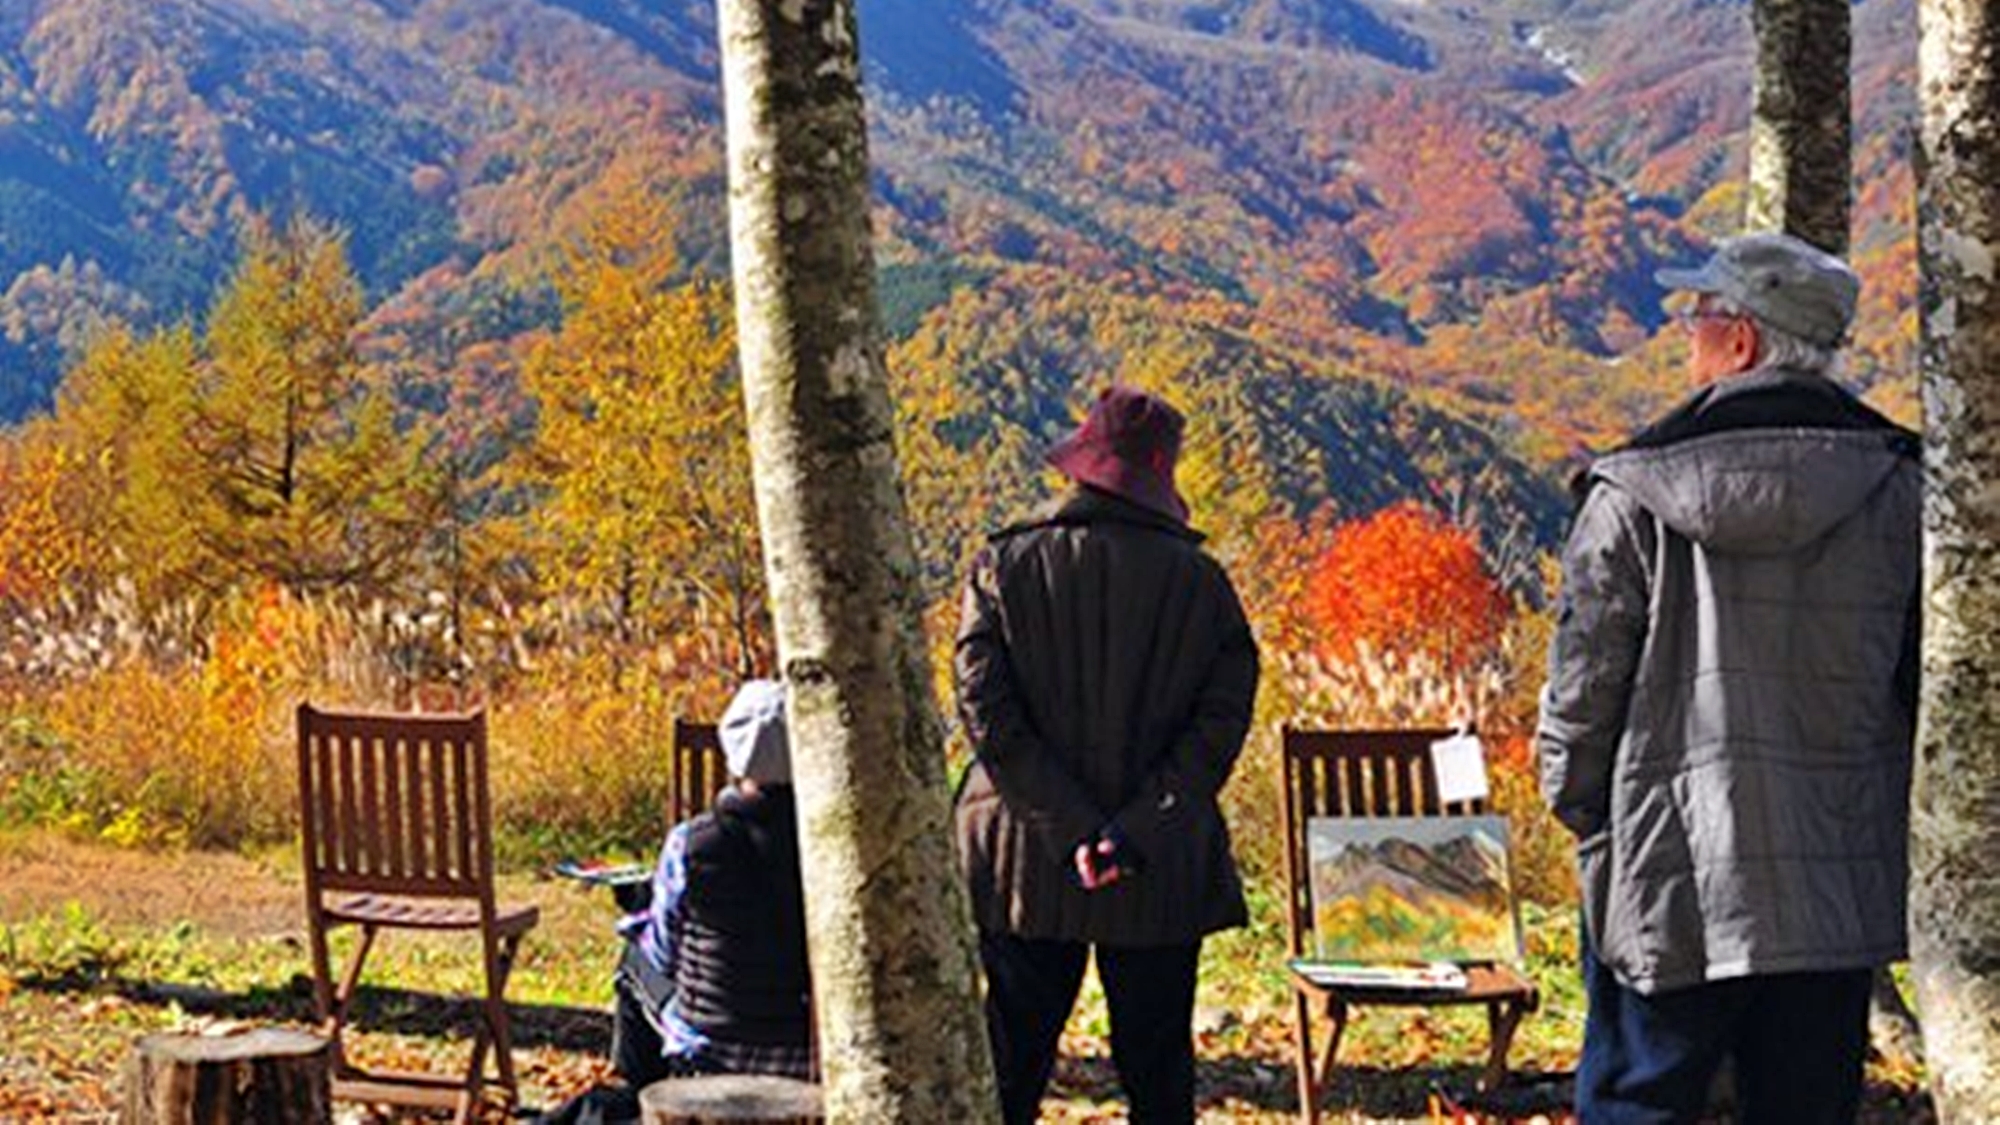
(1127, 446)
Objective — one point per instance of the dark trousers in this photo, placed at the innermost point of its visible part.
(1797, 1039)
(635, 1043)
(1031, 987)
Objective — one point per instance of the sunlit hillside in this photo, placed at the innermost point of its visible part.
(1470, 198)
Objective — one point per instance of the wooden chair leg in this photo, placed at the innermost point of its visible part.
(1308, 1088)
(1502, 1018)
(322, 970)
(1339, 1013)
(351, 978)
(474, 1085)
(335, 1021)
(1315, 1075)
(495, 1034)
(502, 1019)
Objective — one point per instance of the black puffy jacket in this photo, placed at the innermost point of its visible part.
(741, 974)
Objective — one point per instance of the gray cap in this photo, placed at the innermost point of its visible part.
(753, 734)
(1791, 285)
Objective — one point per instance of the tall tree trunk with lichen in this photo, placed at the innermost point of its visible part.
(1801, 159)
(901, 1035)
(1800, 123)
(1955, 824)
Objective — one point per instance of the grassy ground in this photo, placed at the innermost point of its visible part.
(100, 945)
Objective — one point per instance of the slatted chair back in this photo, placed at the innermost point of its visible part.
(396, 804)
(697, 772)
(1353, 773)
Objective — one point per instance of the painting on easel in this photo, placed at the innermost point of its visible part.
(1411, 889)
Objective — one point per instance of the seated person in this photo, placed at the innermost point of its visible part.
(714, 977)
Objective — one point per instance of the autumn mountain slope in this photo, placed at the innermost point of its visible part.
(1464, 202)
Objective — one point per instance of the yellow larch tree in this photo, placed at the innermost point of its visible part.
(307, 479)
(645, 508)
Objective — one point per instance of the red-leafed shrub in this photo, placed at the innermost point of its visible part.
(1406, 584)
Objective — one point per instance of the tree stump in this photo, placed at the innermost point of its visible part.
(269, 1076)
(731, 1099)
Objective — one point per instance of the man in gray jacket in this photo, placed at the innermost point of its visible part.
(1728, 720)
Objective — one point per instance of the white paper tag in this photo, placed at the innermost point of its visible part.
(1460, 765)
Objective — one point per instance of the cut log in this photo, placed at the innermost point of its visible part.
(269, 1076)
(735, 1099)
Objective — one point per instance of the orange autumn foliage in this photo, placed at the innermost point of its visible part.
(1403, 582)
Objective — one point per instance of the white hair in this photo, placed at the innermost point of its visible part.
(1779, 348)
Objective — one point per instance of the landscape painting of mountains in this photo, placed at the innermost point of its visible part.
(1411, 889)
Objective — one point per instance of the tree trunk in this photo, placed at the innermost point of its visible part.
(1800, 121)
(1801, 156)
(892, 956)
(267, 1075)
(1955, 805)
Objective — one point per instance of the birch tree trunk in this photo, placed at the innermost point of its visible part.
(901, 1033)
(1800, 121)
(1955, 815)
(1801, 157)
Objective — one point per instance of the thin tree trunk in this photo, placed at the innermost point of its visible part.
(892, 955)
(1800, 121)
(1801, 155)
(1955, 812)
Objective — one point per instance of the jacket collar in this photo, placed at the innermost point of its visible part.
(1084, 505)
(766, 802)
(1767, 398)
(1771, 398)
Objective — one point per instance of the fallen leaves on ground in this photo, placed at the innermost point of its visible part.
(83, 976)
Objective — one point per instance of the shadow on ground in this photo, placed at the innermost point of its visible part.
(1373, 1092)
(392, 1011)
(1380, 1093)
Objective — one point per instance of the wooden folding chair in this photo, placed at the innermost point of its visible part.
(1371, 774)
(398, 834)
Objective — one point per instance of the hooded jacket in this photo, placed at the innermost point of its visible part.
(1728, 719)
(1105, 675)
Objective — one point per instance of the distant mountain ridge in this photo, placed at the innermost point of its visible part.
(1464, 199)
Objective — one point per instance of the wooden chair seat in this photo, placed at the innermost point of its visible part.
(396, 826)
(430, 914)
(1375, 774)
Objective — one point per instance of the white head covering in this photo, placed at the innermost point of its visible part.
(753, 734)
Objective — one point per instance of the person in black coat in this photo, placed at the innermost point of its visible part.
(1105, 675)
(714, 978)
